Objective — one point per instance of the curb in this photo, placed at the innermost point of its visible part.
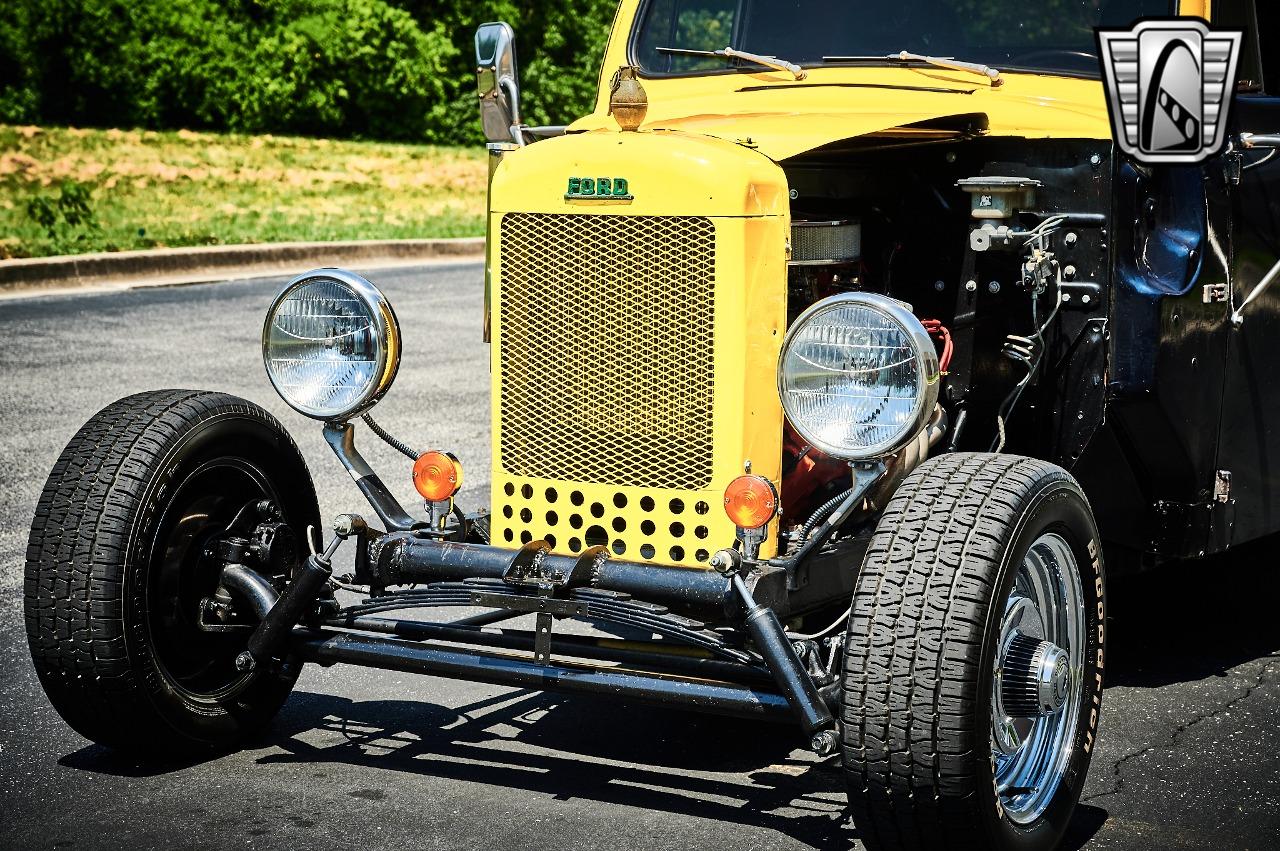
(208, 263)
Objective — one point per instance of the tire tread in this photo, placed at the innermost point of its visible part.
(77, 550)
(914, 647)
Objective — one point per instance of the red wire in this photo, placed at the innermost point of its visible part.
(937, 329)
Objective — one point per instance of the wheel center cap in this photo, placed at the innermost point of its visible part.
(1036, 678)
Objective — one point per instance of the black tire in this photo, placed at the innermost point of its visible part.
(109, 616)
(918, 676)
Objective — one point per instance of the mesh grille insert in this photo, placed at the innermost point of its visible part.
(607, 352)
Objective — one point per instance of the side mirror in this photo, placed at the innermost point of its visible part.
(496, 82)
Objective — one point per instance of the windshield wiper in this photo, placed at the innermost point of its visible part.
(754, 58)
(938, 61)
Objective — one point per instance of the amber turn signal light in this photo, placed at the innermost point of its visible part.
(750, 501)
(437, 476)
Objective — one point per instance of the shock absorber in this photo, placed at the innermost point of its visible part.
(288, 611)
(771, 642)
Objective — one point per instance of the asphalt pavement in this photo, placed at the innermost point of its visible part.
(1189, 755)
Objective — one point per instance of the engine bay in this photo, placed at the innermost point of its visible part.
(999, 248)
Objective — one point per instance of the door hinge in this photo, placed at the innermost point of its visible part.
(1215, 293)
(1222, 486)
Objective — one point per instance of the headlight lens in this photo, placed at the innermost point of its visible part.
(331, 344)
(858, 375)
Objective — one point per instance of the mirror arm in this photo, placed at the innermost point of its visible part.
(1259, 140)
(547, 132)
(508, 85)
(1237, 315)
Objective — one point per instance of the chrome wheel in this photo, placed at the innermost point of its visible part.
(1036, 688)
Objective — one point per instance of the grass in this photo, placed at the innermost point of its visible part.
(148, 189)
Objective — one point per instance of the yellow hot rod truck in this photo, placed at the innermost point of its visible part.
(831, 354)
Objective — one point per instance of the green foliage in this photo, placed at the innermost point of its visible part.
(387, 69)
(63, 217)
(559, 45)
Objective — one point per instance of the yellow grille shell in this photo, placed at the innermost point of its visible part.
(634, 345)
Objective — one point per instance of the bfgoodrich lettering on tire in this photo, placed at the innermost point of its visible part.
(973, 666)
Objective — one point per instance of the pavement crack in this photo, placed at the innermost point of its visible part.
(1117, 768)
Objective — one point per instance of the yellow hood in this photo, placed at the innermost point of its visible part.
(784, 118)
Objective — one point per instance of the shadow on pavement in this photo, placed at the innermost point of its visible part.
(100, 760)
(1085, 822)
(661, 760)
(585, 749)
(1192, 620)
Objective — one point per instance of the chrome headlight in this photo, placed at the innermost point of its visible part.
(858, 376)
(331, 344)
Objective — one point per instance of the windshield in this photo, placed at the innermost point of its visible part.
(1049, 35)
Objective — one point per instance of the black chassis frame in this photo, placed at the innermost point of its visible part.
(695, 663)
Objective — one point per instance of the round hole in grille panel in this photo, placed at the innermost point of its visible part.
(619, 548)
(509, 489)
(526, 491)
(647, 551)
(552, 495)
(526, 537)
(677, 553)
(509, 535)
(606, 367)
(660, 527)
(597, 510)
(575, 545)
(577, 498)
(550, 539)
(507, 512)
(620, 500)
(526, 516)
(701, 507)
(702, 555)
